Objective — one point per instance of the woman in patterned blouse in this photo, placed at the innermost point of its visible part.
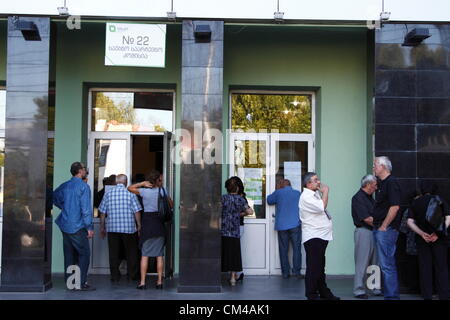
(232, 206)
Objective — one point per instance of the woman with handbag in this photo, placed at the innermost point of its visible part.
(432, 242)
(157, 210)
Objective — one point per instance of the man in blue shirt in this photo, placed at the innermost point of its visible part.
(73, 197)
(288, 225)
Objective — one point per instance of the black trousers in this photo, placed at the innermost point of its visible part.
(129, 241)
(433, 256)
(315, 284)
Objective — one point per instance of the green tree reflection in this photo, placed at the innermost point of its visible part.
(286, 113)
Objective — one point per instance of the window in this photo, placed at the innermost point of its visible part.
(149, 111)
(287, 113)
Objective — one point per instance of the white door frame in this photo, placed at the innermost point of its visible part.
(99, 247)
(254, 226)
(273, 236)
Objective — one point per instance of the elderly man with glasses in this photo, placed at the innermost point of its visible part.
(316, 233)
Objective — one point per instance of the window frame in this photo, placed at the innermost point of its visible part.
(124, 89)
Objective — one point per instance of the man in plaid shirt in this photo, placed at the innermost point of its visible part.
(123, 222)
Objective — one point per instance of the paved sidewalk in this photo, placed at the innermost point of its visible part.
(252, 288)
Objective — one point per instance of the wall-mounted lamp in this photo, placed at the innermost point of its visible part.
(29, 29)
(171, 15)
(278, 15)
(384, 16)
(63, 11)
(416, 36)
(202, 33)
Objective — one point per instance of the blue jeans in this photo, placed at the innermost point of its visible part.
(295, 236)
(385, 242)
(77, 252)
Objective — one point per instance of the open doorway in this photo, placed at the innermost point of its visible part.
(147, 155)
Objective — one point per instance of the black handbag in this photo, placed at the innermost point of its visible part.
(164, 209)
(435, 215)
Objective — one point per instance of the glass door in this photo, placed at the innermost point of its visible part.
(107, 156)
(249, 159)
(293, 156)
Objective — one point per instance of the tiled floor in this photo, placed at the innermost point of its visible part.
(252, 288)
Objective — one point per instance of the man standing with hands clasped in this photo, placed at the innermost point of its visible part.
(316, 233)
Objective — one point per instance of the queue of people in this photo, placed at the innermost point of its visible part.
(301, 218)
(122, 221)
(380, 216)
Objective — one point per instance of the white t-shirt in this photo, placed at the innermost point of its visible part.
(315, 222)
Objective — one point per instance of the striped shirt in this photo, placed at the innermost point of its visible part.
(120, 205)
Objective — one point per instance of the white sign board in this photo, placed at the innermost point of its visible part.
(293, 172)
(135, 45)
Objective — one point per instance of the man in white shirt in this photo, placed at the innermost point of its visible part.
(316, 232)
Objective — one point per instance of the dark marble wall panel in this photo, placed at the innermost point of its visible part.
(200, 206)
(433, 165)
(394, 137)
(25, 249)
(433, 110)
(395, 83)
(435, 83)
(395, 110)
(433, 138)
(412, 104)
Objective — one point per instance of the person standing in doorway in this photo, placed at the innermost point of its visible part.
(153, 234)
(123, 222)
(386, 224)
(317, 231)
(73, 198)
(365, 252)
(288, 226)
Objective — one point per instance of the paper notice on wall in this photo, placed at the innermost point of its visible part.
(253, 184)
(293, 172)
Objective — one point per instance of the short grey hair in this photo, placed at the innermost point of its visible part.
(385, 162)
(122, 179)
(368, 178)
(307, 178)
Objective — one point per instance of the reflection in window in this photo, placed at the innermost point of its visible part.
(2, 108)
(2, 173)
(51, 109)
(287, 113)
(250, 166)
(110, 159)
(132, 111)
(50, 166)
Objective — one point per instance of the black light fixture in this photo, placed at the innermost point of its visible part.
(416, 36)
(29, 29)
(202, 33)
